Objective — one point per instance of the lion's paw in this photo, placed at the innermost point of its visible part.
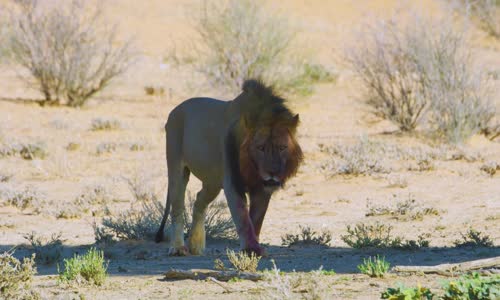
(178, 251)
(257, 250)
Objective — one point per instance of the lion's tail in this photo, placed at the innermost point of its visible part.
(166, 213)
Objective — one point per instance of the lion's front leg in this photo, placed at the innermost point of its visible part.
(259, 201)
(241, 218)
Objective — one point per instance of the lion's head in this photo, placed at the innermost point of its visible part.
(269, 152)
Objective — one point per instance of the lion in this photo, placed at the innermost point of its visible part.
(246, 146)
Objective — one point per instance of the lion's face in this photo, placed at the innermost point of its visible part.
(273, 156)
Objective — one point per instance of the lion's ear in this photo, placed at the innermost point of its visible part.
(295, 120)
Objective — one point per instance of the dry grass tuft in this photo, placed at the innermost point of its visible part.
(47, 251)
(242, 261)
(16, 277)
(307, 237)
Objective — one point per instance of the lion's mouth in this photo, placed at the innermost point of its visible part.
(271, 183)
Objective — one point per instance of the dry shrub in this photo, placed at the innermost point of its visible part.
(47, 251)
(99, 124)
(241, 39)
(307, 237)
(379, 236)
(142, 220)
(68, 48)
(294, 285)
(16, 277)
(485, 12)
(403, 209)
(474, 238)
(25, 198)
(422, 67)
(359, 159)
(242, 261)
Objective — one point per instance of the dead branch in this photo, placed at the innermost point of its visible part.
(202, 274)
(451, 269)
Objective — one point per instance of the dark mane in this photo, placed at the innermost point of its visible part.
(262, 106)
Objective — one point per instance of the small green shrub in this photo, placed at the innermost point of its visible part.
(47, 251)
(408, 293)
(473, 287)
(242, 261)
(16, 277)
(307, 237)
(375, 267)
(474, 238)
(88, 268)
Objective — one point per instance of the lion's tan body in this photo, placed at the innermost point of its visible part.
(203, 137)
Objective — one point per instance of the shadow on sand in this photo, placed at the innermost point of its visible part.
(131, 258)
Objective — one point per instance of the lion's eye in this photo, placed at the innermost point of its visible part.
(260, 148)
(282, 148)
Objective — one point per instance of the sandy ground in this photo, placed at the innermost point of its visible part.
(463, 195)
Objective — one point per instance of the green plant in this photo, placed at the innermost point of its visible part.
(307, 237)
(474, 238)
(242, 261)
(88, 268)
(473, 287)
(408, 293)
(47, 251)
(16, 277)
(375, 267)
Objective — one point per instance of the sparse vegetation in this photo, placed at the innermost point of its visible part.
(473, 287)
(307, 237)
(474, 238)
(408, 293)
(47, 251)
(376, 267)
(264, 52)
(401, 64)
(105, 147)
(281, 285)
(88, 268)
(359, 159)
(243, 262)
(25, 198)
(70, 72)
(100, 124)
(485, 12)
(490, 168)
(16, 277)
(402, 210)
(28, 151)
(379, 236)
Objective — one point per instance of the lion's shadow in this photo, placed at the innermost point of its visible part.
(149, 258)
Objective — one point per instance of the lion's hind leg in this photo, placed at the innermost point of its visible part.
(177, 182)
(197, 238)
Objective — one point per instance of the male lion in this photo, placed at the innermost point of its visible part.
(245, 146)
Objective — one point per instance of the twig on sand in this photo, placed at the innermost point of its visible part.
(451, 269)
(202, 274)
